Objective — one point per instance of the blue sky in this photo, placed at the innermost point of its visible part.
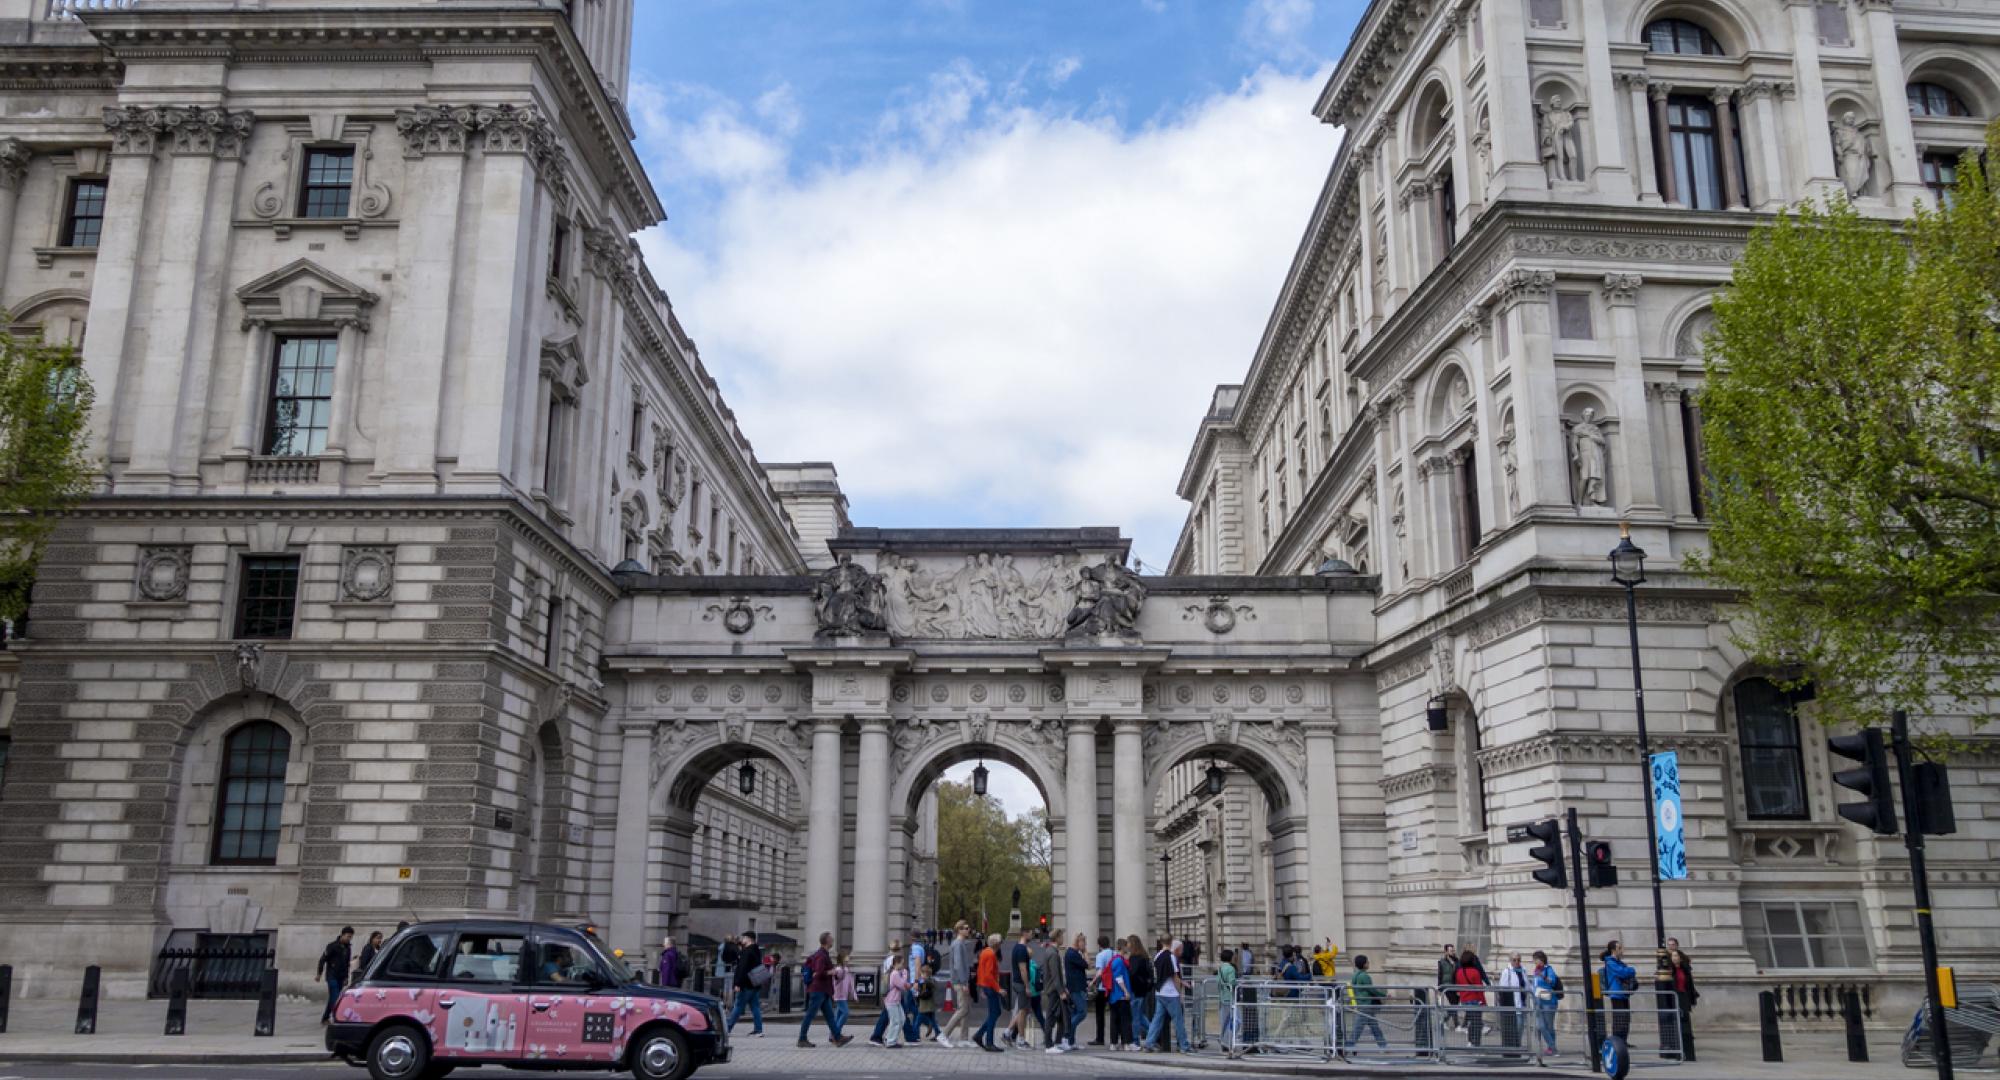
(989, 258)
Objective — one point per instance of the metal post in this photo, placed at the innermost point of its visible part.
(1662, 979)
(1913, 839)
(177, 1002)
(6, 993)
(86, 1005)
(1593, 1023)
(1166, 897)
(267, 1005)
(1850, 1015)
(1767, 1024)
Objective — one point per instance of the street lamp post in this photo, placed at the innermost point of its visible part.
(1628, 568)
(1166, 897)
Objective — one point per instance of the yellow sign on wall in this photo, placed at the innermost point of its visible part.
(402, 873)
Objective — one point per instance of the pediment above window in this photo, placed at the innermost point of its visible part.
(562, 362)
(305, 294)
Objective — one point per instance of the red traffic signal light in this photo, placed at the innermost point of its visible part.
(1603, 873)
(1045, 922)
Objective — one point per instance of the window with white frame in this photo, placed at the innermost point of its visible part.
(1805, 934)
(1475, 929)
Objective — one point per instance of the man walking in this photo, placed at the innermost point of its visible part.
(962, 964)
(1365, 999)
(1448, 976)
(1019, 996)
(1167, 999)
(1097, 965)
(749, 985)
(333, 964)
(819, 995)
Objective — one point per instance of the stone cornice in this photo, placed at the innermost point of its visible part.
(1598, 748)
(1421, 780)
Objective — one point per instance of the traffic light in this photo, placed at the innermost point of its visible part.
(1871, 780)
(1603, 874)
(1548, 851)
(1932, 799)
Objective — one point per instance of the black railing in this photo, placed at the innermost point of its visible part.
(231, 972)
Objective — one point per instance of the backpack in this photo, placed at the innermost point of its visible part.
(1556, 990)
(1104, 979)
(760, 976)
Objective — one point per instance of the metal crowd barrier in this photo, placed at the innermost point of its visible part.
(1401, 1025)
(1970, 1029)
(1277, 1016)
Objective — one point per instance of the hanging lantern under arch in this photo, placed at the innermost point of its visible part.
(979, 775)
(746, 778)
(1215, 778)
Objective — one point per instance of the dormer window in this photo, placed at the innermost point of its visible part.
(327, 183)
(1680, 37)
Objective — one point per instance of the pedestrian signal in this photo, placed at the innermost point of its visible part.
(1603, 873)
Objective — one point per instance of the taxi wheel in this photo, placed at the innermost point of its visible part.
(661, 1054)
(399, 1052)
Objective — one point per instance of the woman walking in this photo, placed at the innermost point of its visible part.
(1548, 994)
(368, 951)
(843, 992)
(896, 1001)
(989, 988)
(1471, 979)
(672, 971)
(1118, 991)
(1685, 997)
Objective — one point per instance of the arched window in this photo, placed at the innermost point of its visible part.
(1682, 38)
(251, 795)
(1930, 99)
(1767, 732)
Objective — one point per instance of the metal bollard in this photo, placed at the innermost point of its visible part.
(6, 993)
(1767, 1021)
(267, 1006)
(785, 989)
(1857, 1037)
(177, 1003)
(86, 1006)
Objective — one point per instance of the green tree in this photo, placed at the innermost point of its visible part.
(1851, 423)
(983, 856)
(44, 406)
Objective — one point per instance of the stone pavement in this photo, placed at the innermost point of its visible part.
(129, 1032)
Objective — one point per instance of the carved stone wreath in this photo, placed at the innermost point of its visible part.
(1017, 693)
(663, 693)
(1294, 694)
(772, 694)
(739, 616)
(736, 693)
(900, 691)
(1257, 694)
(1219, 616)
(367, 573)
(1056, 691)
(978, 692)
(163, 572)
(939, 692)
(699, 695)
(1184, 694)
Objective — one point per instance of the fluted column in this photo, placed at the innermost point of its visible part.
(1081, 865)
(1732, 162)
(249, 383)
(346, 373)
(1128, 827)
(824, 839)
(14, 155)
(1641, 120)
(1822, 177)
(871, 840)
(1670, 184)
(1640, 488)
(1904, 178)
(628, 866)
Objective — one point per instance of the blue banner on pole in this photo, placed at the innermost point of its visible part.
(1672, 853)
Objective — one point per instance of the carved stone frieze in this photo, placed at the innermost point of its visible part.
(1219, 616)
(740, 616)
(1625, 249)
(436, 129)
(1423, 779)
(1402, 671)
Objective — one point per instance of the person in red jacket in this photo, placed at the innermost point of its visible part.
(1471, 1001)
(989, 988)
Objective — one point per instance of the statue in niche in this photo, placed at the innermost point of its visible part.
(1400, 520)
(1108, 600)
(1559, 150)
(1853, 157)
(849, 600)
(1510, 467)
(1587, 458)
(1482, 144)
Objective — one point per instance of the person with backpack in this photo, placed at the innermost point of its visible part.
(927, 995)
(1117, 975)
(1292, 969)
(819, 969)
(1363, 996)
(1548, 994)
(749, 978)
(1471, 979)
(1448, 977)
(1167, 999)
(1100, 983)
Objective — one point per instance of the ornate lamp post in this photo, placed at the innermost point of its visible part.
(1628, 568)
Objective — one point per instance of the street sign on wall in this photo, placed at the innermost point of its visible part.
(1667, 825)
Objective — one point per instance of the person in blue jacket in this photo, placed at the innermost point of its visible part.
(1619, 982)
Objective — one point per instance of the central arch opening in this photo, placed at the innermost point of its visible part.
(967, 855)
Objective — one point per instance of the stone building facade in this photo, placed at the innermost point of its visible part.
(1485, 357)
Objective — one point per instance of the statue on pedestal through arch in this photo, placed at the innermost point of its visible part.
(848, 601)
(1109, 597)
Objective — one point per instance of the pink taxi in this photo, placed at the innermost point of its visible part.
(453, 995)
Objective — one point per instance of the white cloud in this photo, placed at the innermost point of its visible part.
(1003, 314)
(1274, 26)
(1016, 794)
(1062, 68)
(695, 133)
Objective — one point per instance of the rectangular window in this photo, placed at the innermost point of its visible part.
(301, 406)
(1447, 214)
(1805, 934)
(1774, 770)
(1573, 316)
(551, 633)
(83, 217)
(1696, 151)
(1940, 173)
(267, 596)
(1833, 24)
(1546, 14)
(1475, 930)
(327, 183)
(486, 958)
(1468, 480)
(558, 249)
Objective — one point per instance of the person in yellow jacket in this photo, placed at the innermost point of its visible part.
(1324, 960)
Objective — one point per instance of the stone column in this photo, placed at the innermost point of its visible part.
(1670, 449)
(1607, 170)
(871, 840)
(824, 839)
(1640, 117)
(133, 134)
(1670, 184)
(1128, 827)
(1538, 432)
(1905, 180)
(1640, 488)
(506, 275)
(630, 846)
(14, 155)
(1732, 163)
(1822, 177)
(1767, 187)
(427, 252)
(249, 386)
(1080, 861)
(1517, 153)
(1325, 864)
(346, 375)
